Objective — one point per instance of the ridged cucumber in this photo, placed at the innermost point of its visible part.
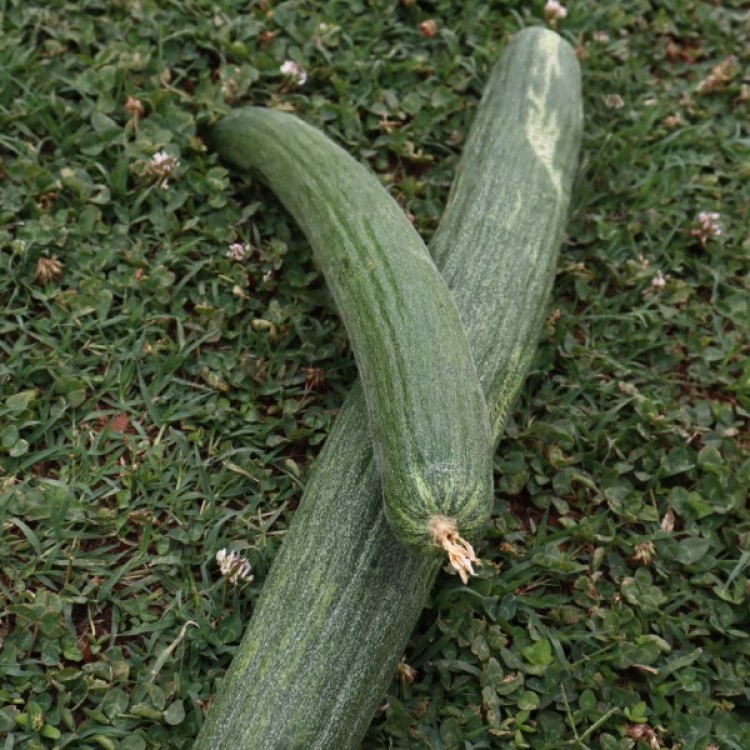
(428, 418)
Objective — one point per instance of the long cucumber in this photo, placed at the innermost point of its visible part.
(428, 418)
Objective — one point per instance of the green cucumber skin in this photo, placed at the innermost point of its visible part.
(530, 119)
(427, 414)
(343, 594)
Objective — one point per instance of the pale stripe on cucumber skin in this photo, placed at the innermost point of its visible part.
(541, 129)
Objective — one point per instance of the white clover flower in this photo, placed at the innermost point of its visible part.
(234, 566)
(709, 221)
(643, 733)
(294, 72)
(614, 101)
(161, 160)
(162, 166)
(659, 281)
(237, 251)
(554, 12)
(708, 226)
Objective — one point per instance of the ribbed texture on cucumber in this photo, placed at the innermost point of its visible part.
(427, 414)
(343, 595)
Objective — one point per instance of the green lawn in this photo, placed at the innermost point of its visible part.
(170, 364)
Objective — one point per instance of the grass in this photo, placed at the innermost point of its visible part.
(160, 401)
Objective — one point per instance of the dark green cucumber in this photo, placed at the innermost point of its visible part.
(343, 594)
(428, 418)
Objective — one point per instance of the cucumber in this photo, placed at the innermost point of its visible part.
(344, 594)
(428, 418)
